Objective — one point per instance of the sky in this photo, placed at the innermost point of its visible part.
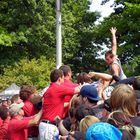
(104, 9)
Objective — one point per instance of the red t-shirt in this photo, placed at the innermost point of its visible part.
(4, 129)
(69, 83)
(53, 104)
(17, 129)
(30, 110)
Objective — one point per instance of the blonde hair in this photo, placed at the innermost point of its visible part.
(123, 98)
(86, 122)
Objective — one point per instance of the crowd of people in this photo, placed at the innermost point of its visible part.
(105, 109)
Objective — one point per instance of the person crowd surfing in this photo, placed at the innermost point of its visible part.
(105, 109)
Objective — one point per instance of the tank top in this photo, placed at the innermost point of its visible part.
(121, 74)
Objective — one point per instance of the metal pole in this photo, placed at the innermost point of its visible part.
(58, 35)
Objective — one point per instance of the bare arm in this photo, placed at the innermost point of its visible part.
(103, 76)
(35, 120)
(77, 89)
(114, 40)
(115, 69)
(62, 129)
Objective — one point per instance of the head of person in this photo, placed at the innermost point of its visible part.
(4, 112)
(89, 95)
(8, 101)
(83, 78)
(123, 98)
(109, 57)
(103, 131)
(78, 113)
(86, 122)
(16, 109)
(136, 83)
(66, 71)
(16, 99)
(26, 92)
(57, 76)
(4, 103)
(122, 121)
(82, 111)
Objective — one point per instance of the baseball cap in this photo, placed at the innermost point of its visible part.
(90, 92)
(103, 131)
(15, 108)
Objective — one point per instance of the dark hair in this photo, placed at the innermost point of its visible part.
(26, 91)
(82, 77)
(14, 98)
(3, 112)
(136, 84)
(92, 101)
(82, 111)
(109, 53)
(55, 74)
(66, 69)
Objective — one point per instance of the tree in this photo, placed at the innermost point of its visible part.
(79, 49)
(126, 19)
(33, 72)
(28, 30)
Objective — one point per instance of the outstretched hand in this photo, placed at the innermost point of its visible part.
(91, 74)
(113, 30)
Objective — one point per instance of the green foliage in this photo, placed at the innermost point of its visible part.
(133, 66)
(30, 24)
(79, 49)
(5, 38)
(126, 18)
(35, 72)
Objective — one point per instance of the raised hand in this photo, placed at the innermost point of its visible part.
(113, 30)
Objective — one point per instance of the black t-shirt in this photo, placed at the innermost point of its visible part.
(67, 123)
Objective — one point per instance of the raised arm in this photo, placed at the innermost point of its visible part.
(114, 40)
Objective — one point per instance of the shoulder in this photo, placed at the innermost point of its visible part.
(115, 66)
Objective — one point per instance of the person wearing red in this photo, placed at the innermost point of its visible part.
(17, 129)
(29, 109)
(4, 118)
(67, 80)
(53, 104)
(1, 121)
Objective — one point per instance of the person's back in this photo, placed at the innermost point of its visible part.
(53, 104)
(18, 131)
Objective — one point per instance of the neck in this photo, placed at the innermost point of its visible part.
(19, 117)
(67, 78)
(58, 82)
